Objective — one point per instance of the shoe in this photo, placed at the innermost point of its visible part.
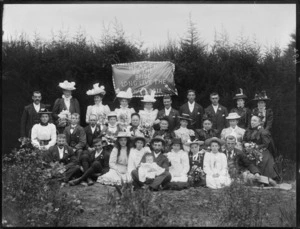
(90, 182)
(74, 182)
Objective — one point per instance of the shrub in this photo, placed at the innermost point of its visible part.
(30, 197)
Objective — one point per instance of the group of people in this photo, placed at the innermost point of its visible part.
(153, 149)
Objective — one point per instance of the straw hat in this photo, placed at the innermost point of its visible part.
(149, 98)
(125, 94)
(66, 85)
(138, 137)
(233, 115)
(112, 114)
(44, 111)
(214, 139)
(185, 117)
(240, 95)
(158, 138)
(96, 90)
(262, 96)
(124, 135)
(196, 141)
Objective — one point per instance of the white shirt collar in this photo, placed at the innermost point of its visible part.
(167, 111)
(98, 153)
(68, 99)
(37, 107)
(156, 155)
(61, 152)
(93, 128)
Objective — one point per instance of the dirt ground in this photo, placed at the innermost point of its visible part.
(192, 205)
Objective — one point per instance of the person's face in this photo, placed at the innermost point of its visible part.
(93, 120)
(255, 121)
(139, 144)
(261, 104)
(98, 146)
(164, 125)
(74, 119)
(230, 144)
(214, 99)
(97, 99)
(183, 123)
(67, 93)
(37, 97)
(167, 103)
(207, 124)
(176, 147)
(194, 148)
(240, 102)
(123, 142)
(157, 146)
(44, 118)
(112, 120)
(148, 106)
(149, 159)
(191, 96)
(135, 121)
(60, 142)
(233, 122)
(214, 147)
(124, 102)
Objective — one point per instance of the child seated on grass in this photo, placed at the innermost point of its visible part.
(149, 170)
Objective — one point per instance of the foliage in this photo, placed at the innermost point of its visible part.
(29, 197)
(288, 214)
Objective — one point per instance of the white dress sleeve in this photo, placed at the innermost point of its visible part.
(206, 164)
(224, 169)
(88, 113)
(185, 163)
(223, 136)
(53, 136)
(34, 135)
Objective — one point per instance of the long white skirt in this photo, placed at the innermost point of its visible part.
(113, 177)
(183, 178)
(217, 182)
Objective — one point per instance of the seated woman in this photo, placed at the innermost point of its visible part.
(262, 137)
(118, 162)
(112, 129)
(165, 133)
(179, 161)
(134, 127)
(183, 132)
(43, 135)
(136, 153)
(196, 174)
(206, 132)
(234, 130)
(215, 165)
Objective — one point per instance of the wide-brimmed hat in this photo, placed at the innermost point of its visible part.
(149, 98)
(262, 96)
(123, 134)
(185, 117)
(158, 138)
(125, 94)
(44, 111)
(112, 114)
(66, 85)
(196, 141)
(176, 141)
(214, 139)
(96, 90)
(233, 115)
(206, 116)
(138, 137)
(240, 95)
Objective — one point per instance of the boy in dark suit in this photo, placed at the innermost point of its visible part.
(75, 135)
(162, 180)
(30, 115)
(92, 131)
(194, 110)
(218, 113)
(62, 153)
(93, 162)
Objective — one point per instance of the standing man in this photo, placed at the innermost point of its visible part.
(217, 112)
(30, 115)
(194, 110)
(163, 179)
(169, 113)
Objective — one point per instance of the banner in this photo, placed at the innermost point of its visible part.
(145, 76)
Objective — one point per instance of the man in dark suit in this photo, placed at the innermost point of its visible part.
(75, 135)
(92, 131)
(238, 163)
(161, 160)
(194, 110)
(93, 162)
(168, 112)
(62, 153)
(218, 113)
(30, 115)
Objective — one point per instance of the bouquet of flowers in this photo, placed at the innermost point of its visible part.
(146, 129)
(64, 117)
(253, 152)
(196, 175)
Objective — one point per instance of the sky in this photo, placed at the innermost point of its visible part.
(268, 24)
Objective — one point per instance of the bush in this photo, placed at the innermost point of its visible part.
(30, 197)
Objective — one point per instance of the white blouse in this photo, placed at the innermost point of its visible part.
(119, 163)
(185, 135)
(98, 110)
(40, 132)
(215, 163)
(237, 132)
(124, 113)
(180, 164)
(135, 157)
(148, 116)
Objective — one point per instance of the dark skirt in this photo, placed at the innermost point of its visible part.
(266, 166)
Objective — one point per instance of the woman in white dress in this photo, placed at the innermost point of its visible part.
(136, 153)
(183, 132)
(124, 112)
(234, 130)
(215, 165)
(179, 160)
(118, 162)
(43, 135)
(98, 109)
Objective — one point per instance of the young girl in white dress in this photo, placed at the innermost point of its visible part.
(118, 162)
(183, 132)
(98, 109)
(179, 160)
(215, 165)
